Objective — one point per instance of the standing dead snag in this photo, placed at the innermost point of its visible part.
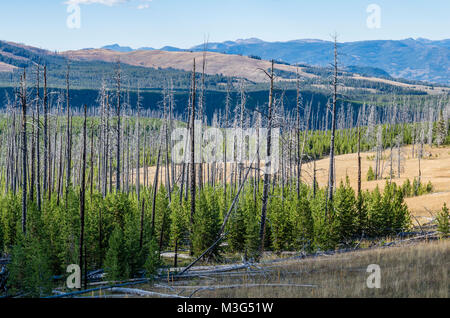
(333, 128)
(38, 148)
(68, 136)
(141, 231)
(23, 98)
(46, 148)
(118, 75)
(138, 147)
(155, 189)
(262, 231)
(91, 172)
(298, 135)
(83, 200)
(192, 163)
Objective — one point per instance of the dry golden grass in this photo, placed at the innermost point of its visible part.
(217, 63)
(419, 270)
(435, 168)
(6, 67)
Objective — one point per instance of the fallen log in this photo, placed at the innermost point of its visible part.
(143, 293)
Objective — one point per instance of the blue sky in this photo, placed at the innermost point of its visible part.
(184, 23)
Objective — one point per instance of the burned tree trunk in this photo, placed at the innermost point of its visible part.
(118, 75)
(82, 262)
(23, 97)
(265, 197)
(68, 136)
(46, 148)
(192, 162)
(333, 128)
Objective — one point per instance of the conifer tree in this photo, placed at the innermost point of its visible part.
(346, 210)
(442, 220)
(207, 224)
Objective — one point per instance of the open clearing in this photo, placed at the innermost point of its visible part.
(419, 270)
(435, 168)
(409, 269)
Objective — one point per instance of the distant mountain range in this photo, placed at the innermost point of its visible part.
(413, 59)
(127, 49)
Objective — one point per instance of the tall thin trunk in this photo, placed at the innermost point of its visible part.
(23, 96)
(83, 201)
(38, 145)
(46, 179)
(155, 190)
(333, 128)
(118, 74)
(68, 137)
(192, 163)
(262, 231)
(141, 232)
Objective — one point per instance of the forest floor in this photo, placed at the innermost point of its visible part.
(412, 270)
(408, 268)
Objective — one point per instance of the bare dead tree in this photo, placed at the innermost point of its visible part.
(23, 98)
(68, 137)
(118, 114)
(46, 148)
(262, 231)
(192, 146)
(83, 202)
(138, 147)
(38, 146)
(333, 126)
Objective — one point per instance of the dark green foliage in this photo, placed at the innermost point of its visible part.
(29, 270)
(162, 218)
(10, 214)
(237, 229)
(153, 261)
(124, 258)
(206, 222)
(345, 207)
(280, 223)
(302, 221)
(251, 210)
(179, 221)
(442, 220)
(370, 174)
(325, 227)
(115, 263)
(112, 236)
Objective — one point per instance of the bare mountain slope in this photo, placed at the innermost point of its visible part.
(217, 63)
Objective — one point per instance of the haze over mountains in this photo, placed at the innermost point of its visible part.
(413, 59)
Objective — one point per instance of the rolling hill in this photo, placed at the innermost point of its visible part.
(151, 68)
(413, 59)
